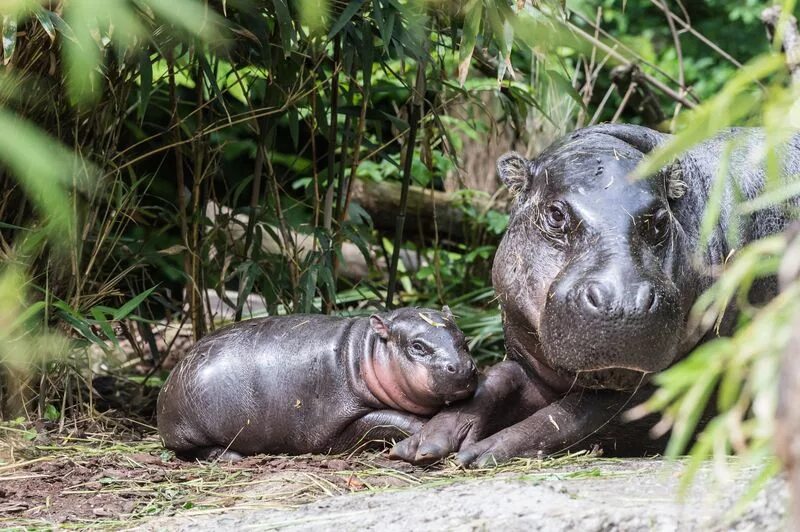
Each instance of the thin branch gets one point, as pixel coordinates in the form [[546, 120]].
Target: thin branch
[[783, 28]]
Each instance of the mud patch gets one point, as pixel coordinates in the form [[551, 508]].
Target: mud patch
[[100, 480]]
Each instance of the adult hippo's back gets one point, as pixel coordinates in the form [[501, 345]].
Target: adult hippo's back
[[596, 276]]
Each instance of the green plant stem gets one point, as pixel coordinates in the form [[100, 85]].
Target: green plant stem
[[414, 117]]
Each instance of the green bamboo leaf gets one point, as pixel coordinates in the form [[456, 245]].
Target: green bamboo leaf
[[352, 8], [692, 405], [47, 23], [27, 314], [145, 82], [566, 87], [772, 197], [9, 37], [726, 108], [294, 126], [285, 25], [102, 322], [40, 164], [209, 75], [131, 305], [83, 55], [78, 322], [469, 37], [61, 26], [191, 15], [714, 205]]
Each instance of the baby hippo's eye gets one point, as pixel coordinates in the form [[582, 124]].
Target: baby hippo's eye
[[419, 348]]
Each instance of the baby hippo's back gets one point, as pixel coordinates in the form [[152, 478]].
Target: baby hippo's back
[[278, 384]]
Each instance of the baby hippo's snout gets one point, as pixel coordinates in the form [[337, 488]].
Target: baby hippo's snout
[[456, 377], [430, 360]]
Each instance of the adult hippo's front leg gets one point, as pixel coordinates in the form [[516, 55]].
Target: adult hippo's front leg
[[510, 417], [577, 421]]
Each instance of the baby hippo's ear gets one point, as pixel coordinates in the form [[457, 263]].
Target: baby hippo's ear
[[512, 168], [380, 326], [447, 312]]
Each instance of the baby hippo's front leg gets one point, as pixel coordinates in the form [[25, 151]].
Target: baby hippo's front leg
[[376, 428]]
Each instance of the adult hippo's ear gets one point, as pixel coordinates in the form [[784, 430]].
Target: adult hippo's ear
[[380, 325], [512, 168], [646, 140], [447, 312]]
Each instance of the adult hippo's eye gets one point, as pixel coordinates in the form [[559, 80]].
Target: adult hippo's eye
[[555, 217], [659, 226]]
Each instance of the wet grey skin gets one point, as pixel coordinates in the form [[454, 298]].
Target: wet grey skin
[[313, 384], [596, 275]]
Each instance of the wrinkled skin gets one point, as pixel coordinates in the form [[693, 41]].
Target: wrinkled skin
[[596, 275], [313, 384]]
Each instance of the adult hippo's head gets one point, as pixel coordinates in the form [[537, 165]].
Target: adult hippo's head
[[592, 273]]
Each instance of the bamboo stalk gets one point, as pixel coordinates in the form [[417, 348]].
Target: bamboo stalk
[[414, 116]]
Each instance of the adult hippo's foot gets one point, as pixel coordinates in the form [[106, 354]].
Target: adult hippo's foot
[[509, 417], [505, 396], [578, 421]]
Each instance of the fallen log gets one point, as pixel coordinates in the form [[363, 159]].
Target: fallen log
[[431, 213]]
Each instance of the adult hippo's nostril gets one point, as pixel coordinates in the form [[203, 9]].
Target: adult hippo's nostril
[[646, 299], [595, 297]]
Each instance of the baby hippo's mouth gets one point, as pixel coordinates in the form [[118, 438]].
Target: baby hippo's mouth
[[458, 396], [465, 390]]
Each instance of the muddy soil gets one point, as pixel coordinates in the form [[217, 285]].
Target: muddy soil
[[95, 480]]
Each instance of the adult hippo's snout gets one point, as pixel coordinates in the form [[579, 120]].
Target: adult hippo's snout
[[612, 315]]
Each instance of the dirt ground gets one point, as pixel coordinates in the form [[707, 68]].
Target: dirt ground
[[127, 481]]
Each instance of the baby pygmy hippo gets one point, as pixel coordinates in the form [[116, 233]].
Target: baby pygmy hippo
[[313, 384]]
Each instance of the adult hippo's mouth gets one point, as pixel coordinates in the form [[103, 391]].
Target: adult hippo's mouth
[[620, 379]]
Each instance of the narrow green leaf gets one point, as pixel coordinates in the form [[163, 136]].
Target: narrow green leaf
[[27, 314], [61, 26], [772, 197], [78, 323], [209, 75], [131, 305], [145, 82], [40, 164], [565, 86], [47, 23], [352, 8], [469, 37], [285, 25], [294, 126], [9, 37], [105, 326], [190, 15]]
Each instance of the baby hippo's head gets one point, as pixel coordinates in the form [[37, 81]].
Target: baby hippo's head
[[426, 356]]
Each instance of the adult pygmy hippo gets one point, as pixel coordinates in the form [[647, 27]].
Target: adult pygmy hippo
[[313, 384], [596, 275]]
